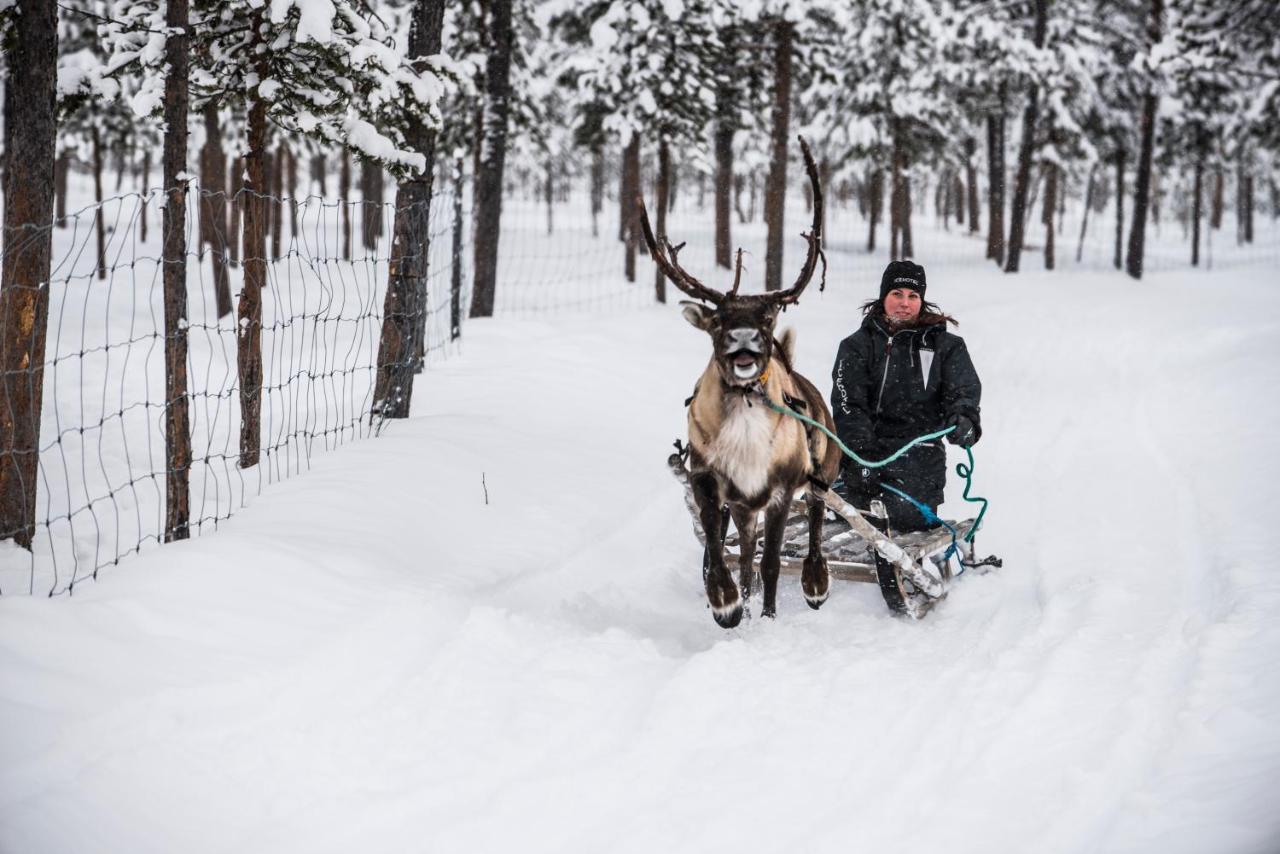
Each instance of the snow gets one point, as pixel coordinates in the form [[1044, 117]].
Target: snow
[[485, 629], [365, 138], [603, 36], [315, 18]]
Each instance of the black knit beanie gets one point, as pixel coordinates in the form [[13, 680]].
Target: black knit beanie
[[902, 274]]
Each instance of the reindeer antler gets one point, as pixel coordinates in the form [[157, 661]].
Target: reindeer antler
[[669, 263], [814, 237], [737, 274]]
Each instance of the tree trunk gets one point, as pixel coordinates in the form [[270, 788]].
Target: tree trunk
[[404, 311], [249, 330], [344, 201], [370, 204], [943, 200], [1142, 187], [775, 193], [1215, 212], [121, 152], [1247, 191], [1119, 256], [900, 243], [1156, 196], [971, 178], [908, 248], [1062, 199], [214, 208], [726, 127], [61, 169], [1088, 206], [875, 204], [8, 110], [1022, 180], [268, 180], [24, 303], [177, 424], [455, 279], [488, 201], [630, 213], [146, 189], [664, 189], [1050, 208], [625, 192], [597, 188], [320, 173], [996, 177], [549, 194], [99, 224], [291, 193], [1196, 204], [958, 198], [237, 209], [895, 201]]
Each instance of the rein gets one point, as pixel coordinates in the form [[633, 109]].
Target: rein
[[965, 471]]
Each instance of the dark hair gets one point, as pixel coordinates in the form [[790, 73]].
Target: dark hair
[[930, 313]]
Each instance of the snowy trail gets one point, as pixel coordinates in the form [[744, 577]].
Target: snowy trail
[[371, 658]]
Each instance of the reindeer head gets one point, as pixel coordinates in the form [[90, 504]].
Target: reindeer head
[[740, 326]]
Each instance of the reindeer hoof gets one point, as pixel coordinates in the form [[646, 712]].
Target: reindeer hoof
[[728, 618], [816, 584]]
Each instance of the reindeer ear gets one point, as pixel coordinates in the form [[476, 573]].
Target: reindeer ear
[[697, 314], [787, 341]]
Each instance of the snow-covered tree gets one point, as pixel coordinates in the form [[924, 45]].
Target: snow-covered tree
[[637, 70], [891, 106]]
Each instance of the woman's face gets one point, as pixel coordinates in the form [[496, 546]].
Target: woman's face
[[902, 305]]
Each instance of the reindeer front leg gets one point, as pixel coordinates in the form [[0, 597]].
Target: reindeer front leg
[[744, 520], [775, 526], [722, 592], [815, 580]]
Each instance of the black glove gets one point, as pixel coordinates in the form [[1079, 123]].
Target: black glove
[[965, 433]]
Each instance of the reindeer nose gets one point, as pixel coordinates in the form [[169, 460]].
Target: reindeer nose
[[745, 338]]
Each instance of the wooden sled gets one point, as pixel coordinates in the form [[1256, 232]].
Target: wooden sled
[[910, 568]]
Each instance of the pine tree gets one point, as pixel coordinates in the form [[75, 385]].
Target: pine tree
[[30, 38]]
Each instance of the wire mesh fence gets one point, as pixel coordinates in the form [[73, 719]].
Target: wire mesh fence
[[102, 462]]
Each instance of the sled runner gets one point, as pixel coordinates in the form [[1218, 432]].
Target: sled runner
[[911, 569]]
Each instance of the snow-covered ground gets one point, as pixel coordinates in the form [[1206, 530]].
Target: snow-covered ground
[[485, 630]]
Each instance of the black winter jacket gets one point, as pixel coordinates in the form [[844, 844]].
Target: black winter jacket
[[890, 388]]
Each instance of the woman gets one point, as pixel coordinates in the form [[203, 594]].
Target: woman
[[902, 375]]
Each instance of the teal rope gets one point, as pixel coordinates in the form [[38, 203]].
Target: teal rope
[[849, 452], [965, 471]]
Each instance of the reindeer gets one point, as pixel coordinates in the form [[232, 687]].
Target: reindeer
[[741, 452]]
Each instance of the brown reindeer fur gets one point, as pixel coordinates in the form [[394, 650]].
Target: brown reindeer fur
[[794, 445]]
